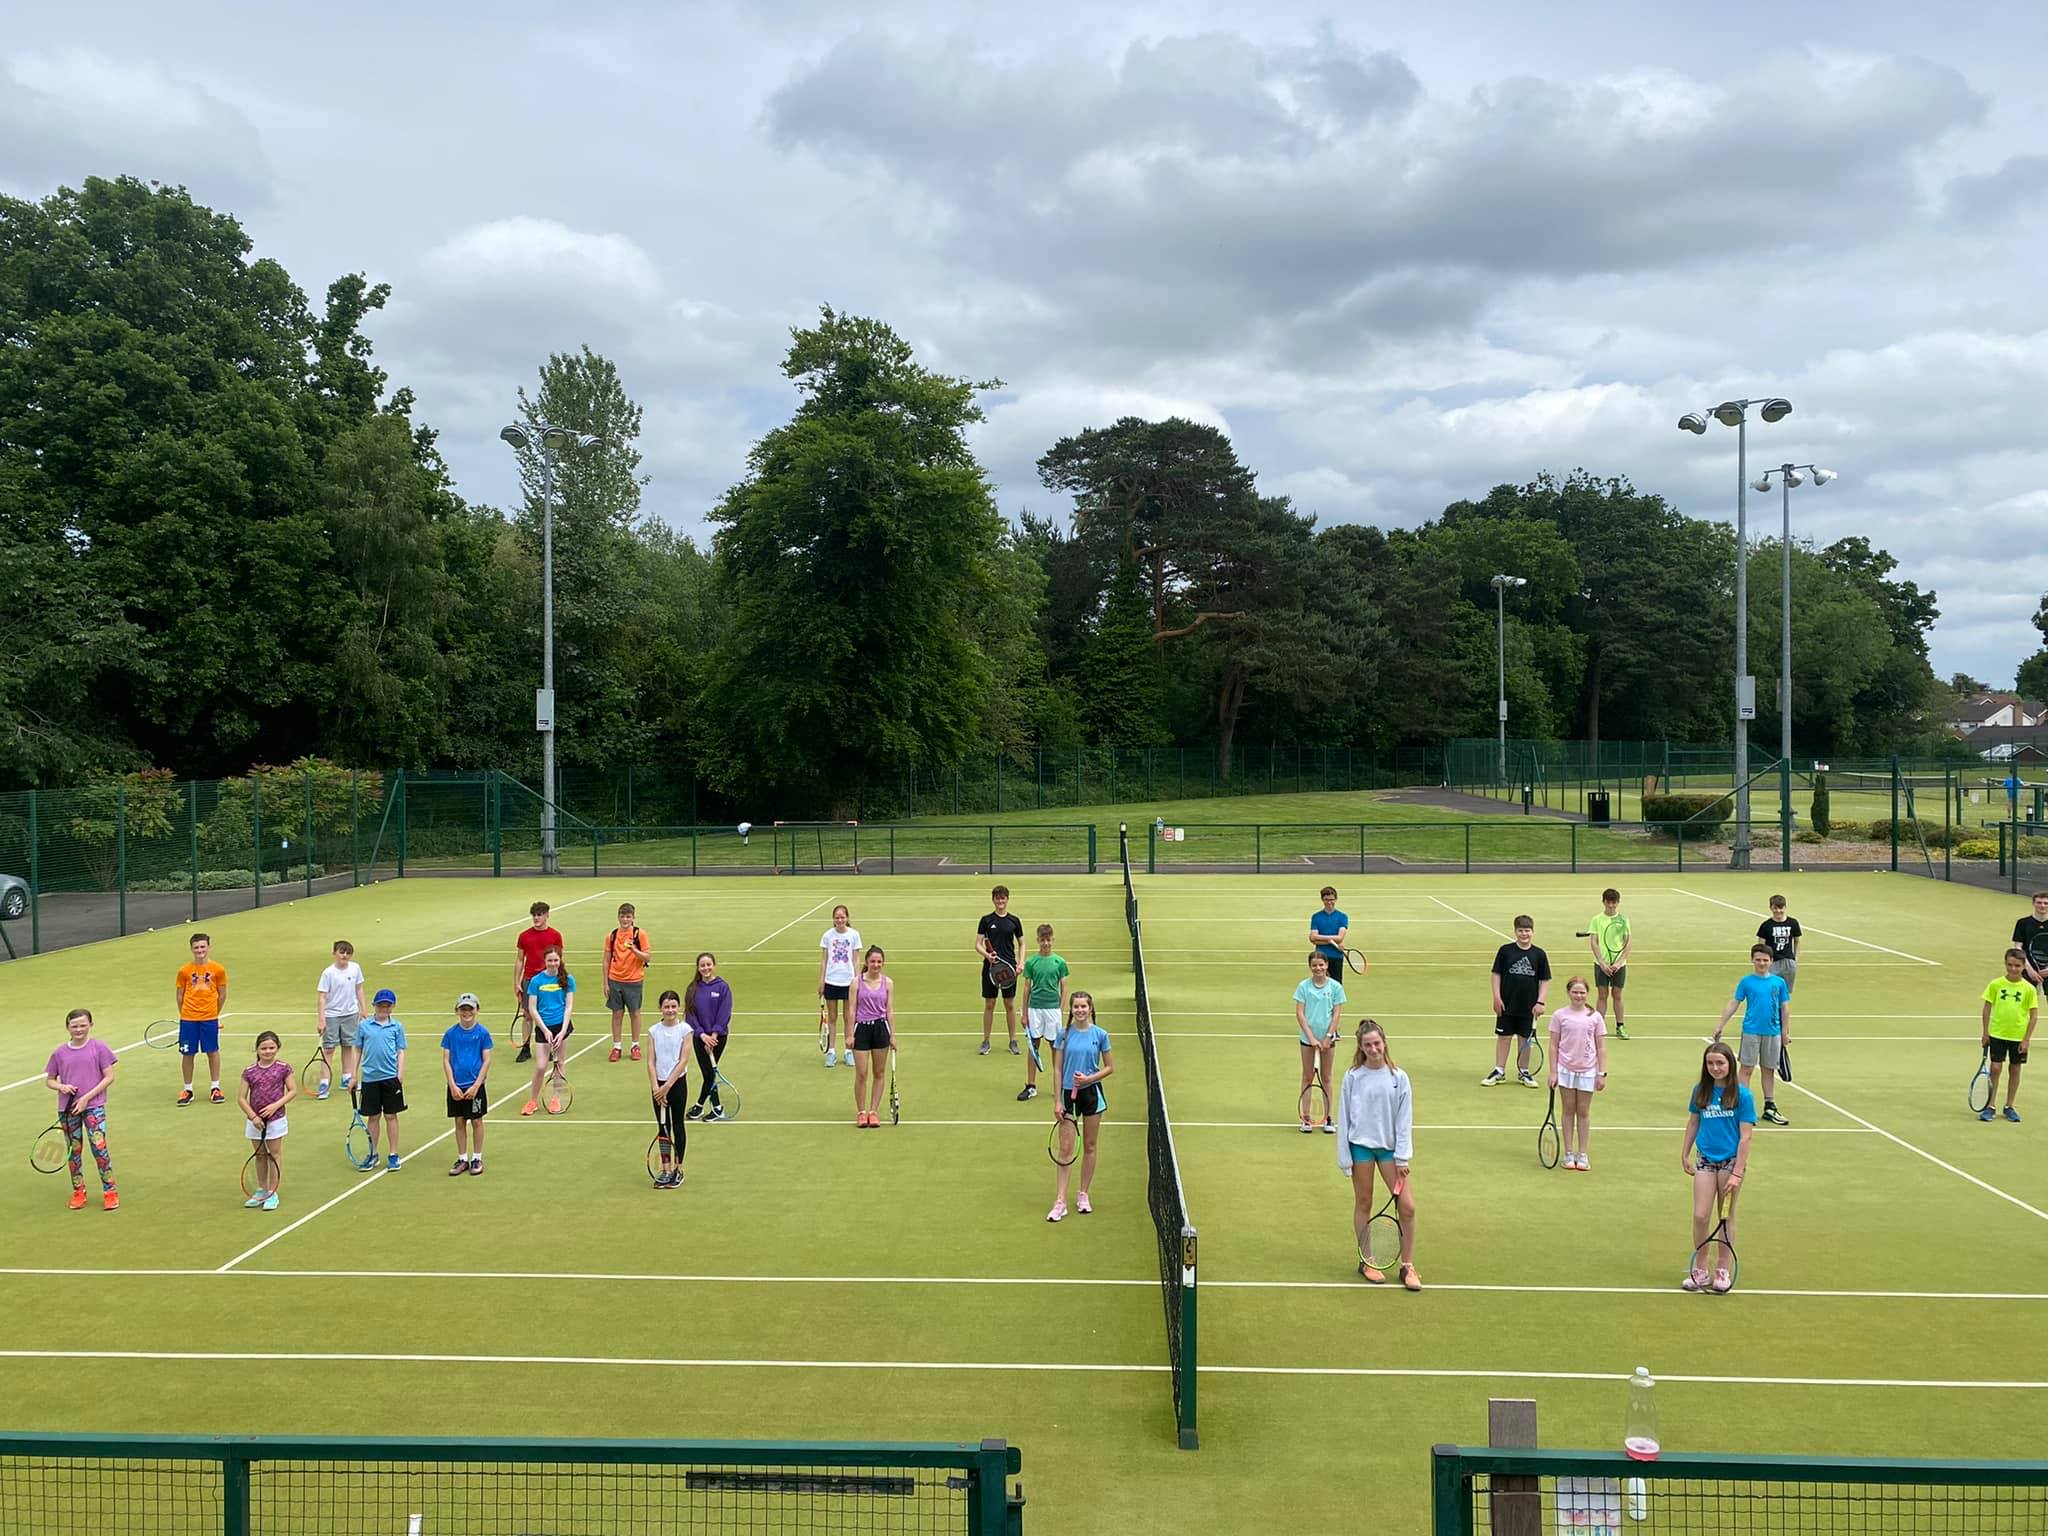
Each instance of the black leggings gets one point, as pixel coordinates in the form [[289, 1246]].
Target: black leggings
[[669, 1121], [707, 1065]]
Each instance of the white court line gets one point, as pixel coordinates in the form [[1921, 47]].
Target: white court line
[[1406, 1035], [785, 927], [1035, 1367], [1470, 919], [496, 928], [1751, 912], [42, 1078], [358, 1188], [1198, 1125]]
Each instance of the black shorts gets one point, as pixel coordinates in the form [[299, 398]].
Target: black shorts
[[470, 1109], [555, 1038], [1081, 1102], [380, 1096], [871, 1035], [1610, 981], [2014, 1051], [833, 992], [990, 989], [1511, 1024]]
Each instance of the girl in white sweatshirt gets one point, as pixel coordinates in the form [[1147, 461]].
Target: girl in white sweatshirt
[[1376, 1130]]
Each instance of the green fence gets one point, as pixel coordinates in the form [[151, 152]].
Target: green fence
[[194, 1485], [1596, 1493], [1432, 847]]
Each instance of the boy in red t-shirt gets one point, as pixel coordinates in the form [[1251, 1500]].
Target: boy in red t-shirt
[[533, 944]]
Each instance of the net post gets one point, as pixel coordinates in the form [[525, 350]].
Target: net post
[[986, 1512], [1895, 817], [234, 1490], [1450, 1493], [1516, 1501], [991, 847], [1091, 848], [1189, 1351]]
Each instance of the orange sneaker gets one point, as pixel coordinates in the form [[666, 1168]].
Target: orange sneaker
[[1410, 1278], [554, 1106], [110, 1201], [532, 1106], [634, 1054], [78, 1199], [614, 1055], [1372, 1275]]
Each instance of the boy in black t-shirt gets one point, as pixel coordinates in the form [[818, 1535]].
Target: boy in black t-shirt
[[1782, 934], [1521, 987], [998, 936], [2030, 937]]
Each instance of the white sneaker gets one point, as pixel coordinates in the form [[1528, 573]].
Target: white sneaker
[[1495, 1076], [1058, 1211], [831, 1058]]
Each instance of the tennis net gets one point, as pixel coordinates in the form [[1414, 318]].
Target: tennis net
[[177, 1485], [1163, 1188], [1528, 1493]]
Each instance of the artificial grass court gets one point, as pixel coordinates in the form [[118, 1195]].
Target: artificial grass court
[[811, 1281]]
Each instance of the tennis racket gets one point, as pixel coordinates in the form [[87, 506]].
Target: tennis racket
[[661, 1160], [1549, 1145], [1382, 1250], [728, 1096], [161, 1035], [895, 1104], [1315, 1106], [1980, 1085], [1536, 1056], [259, 1169], [1052, 1141], [309, 1080], [361, 1153], [53, 1147], [1716, 1253], [2037, 949], [824, 1030], [1000, 971], [561, 1096], [1784, 1061], [1355, 963]]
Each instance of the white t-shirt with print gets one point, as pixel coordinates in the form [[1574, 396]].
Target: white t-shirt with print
[[842, 956]]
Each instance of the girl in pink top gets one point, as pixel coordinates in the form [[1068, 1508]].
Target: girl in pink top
[[874, 1000], [1578, 1070]]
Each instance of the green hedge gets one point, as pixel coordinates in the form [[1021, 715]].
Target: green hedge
[[1934, 837], [1976, 848], [1704, 815], [226, 879]]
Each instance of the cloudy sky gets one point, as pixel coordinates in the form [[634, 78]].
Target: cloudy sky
[[1402, 256]]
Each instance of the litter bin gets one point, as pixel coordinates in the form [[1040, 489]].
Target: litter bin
[[1598, 808]]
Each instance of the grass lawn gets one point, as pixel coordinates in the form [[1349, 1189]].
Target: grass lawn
[[813, 1281]]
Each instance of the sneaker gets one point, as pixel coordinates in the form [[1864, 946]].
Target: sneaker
[[1371, 1275], [1696, 1281], [249, 1204], [1409, 1278], [1620, 1030], [1329, 1129], [525, 1054], [2012, 1114], [984, 1049], [345, 1079], [461, 1167], [269, 1201], [1307, 1129], [717, 1112], [476, 1165], [1028, 1091], [1723, 1282], [696, 1112], [1081, 1203], [554, 1106], [1987, 1113], [616, 1053], [78, 1199], [1585, 1163], [393, 1163], [218, 1097], [110, 1201], [1058, 1211], [1013, 1049], [831, 1057], [529, 1107], [634, 1054], [184, 1098], [1495, 1076], [1771, 1114], [324, 1090], [1528, 1079], [675, 1180]]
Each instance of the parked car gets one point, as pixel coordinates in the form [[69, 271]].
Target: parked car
[[13, 897]]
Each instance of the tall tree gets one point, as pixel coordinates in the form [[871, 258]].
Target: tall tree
[[856, 555], [1122, 687]]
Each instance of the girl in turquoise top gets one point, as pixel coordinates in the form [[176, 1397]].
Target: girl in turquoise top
[[1318, 1015], [1079, 1065]]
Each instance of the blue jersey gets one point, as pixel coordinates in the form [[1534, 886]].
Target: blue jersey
[[1083, 1050], [1331, 923], [1720, 1136], [550, 996], [465, 1048], [1764, 998], [381, 1041]]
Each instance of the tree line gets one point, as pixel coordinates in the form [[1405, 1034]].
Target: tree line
[[231, 542]]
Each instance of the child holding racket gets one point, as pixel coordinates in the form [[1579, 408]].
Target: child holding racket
[[707, 1004], [79, 1072], [998, 937], [1720, 1119], [1080, 1064], [340, 1009], [1329, 931], [1318, 1015], [465, 1064], [1578, 1069], [1766, 1021], [1376, 1131], [668, 1084], [838, 960], [2030, 937], [1610, 940], [267, 1087], [1045, 999], [2011, 1009], [530, 950], [874, 1004], [1521, 989], [381, 1095], [551, 1010]]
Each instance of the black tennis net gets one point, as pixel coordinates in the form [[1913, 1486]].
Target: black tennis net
[[1164, 1191]]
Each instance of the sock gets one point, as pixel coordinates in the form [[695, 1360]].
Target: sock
[[216, 1085]]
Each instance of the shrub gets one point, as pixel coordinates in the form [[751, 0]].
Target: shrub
[[1808, 837], [1703, 815], [225, 879], [1934, 837], [1821, 822], [1976, 848], [1847, 829]]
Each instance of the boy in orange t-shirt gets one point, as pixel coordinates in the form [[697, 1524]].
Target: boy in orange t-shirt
[[202, 994], [626, 950]]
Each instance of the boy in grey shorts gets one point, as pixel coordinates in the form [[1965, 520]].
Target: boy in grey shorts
[[341, 1009]]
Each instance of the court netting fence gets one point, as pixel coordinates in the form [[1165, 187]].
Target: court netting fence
[[1164, 1191], [195, 1485], [1596, 1493]]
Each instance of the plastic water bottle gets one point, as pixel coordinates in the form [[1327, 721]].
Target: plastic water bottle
[[1640, 1439]]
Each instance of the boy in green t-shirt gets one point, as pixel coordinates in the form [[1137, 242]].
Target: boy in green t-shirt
[[2011, 1007], [1045, 973], [1610, 943]]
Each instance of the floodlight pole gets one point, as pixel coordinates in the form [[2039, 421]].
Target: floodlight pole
[[1788, 476], [550, 855], [1738, 855], [1500, 613]]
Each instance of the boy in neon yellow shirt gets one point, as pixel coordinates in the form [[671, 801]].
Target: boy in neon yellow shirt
[[2011, 1007], [1610, 943]]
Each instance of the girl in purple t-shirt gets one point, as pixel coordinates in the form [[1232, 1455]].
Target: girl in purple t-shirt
[[267, 1087], [79, 1072]]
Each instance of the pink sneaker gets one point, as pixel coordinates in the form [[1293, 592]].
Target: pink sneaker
[[1058, 1211], [1081, 1203]]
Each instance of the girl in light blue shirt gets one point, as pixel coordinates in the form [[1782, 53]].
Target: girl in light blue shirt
[[1318, 1016]]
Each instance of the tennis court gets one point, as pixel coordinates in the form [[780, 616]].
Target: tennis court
[[814, 1281]]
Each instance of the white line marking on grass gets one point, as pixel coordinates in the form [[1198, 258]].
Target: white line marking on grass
[[1470, 918], [1845, 938], [1521, 1375], [355, 1189], [1199, 1125], [42, 1078], [784, 928], [1406, 1035], [495, 928], [1639, 1290]]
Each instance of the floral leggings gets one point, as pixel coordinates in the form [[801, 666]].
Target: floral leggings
[[89, 1128]]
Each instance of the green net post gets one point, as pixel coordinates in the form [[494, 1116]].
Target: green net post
[[355, 825], [1091, 847], [121, 853], [1190, 1440], [35, 876], [1572, 827], [1152, 848], [1895, 815], [693, 848], [404, 800], [1258, 850], [1450, 1494], [1468, 847], [234, 1490], [892, 850]]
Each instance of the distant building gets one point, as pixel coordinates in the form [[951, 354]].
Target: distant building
[[1988, 710]]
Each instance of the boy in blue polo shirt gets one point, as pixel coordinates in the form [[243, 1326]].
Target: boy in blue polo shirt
[[465, 1062], [1328, 931], [1767, 1018], [380, 1093]]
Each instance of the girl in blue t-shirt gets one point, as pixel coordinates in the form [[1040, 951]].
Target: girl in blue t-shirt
[[1720, 1119], [1079, 1064], [1318, 1017]]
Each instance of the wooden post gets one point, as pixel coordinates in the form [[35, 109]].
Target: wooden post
[[1517, 1501]]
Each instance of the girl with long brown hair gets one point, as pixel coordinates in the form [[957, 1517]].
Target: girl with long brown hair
[[1376, 1131]]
